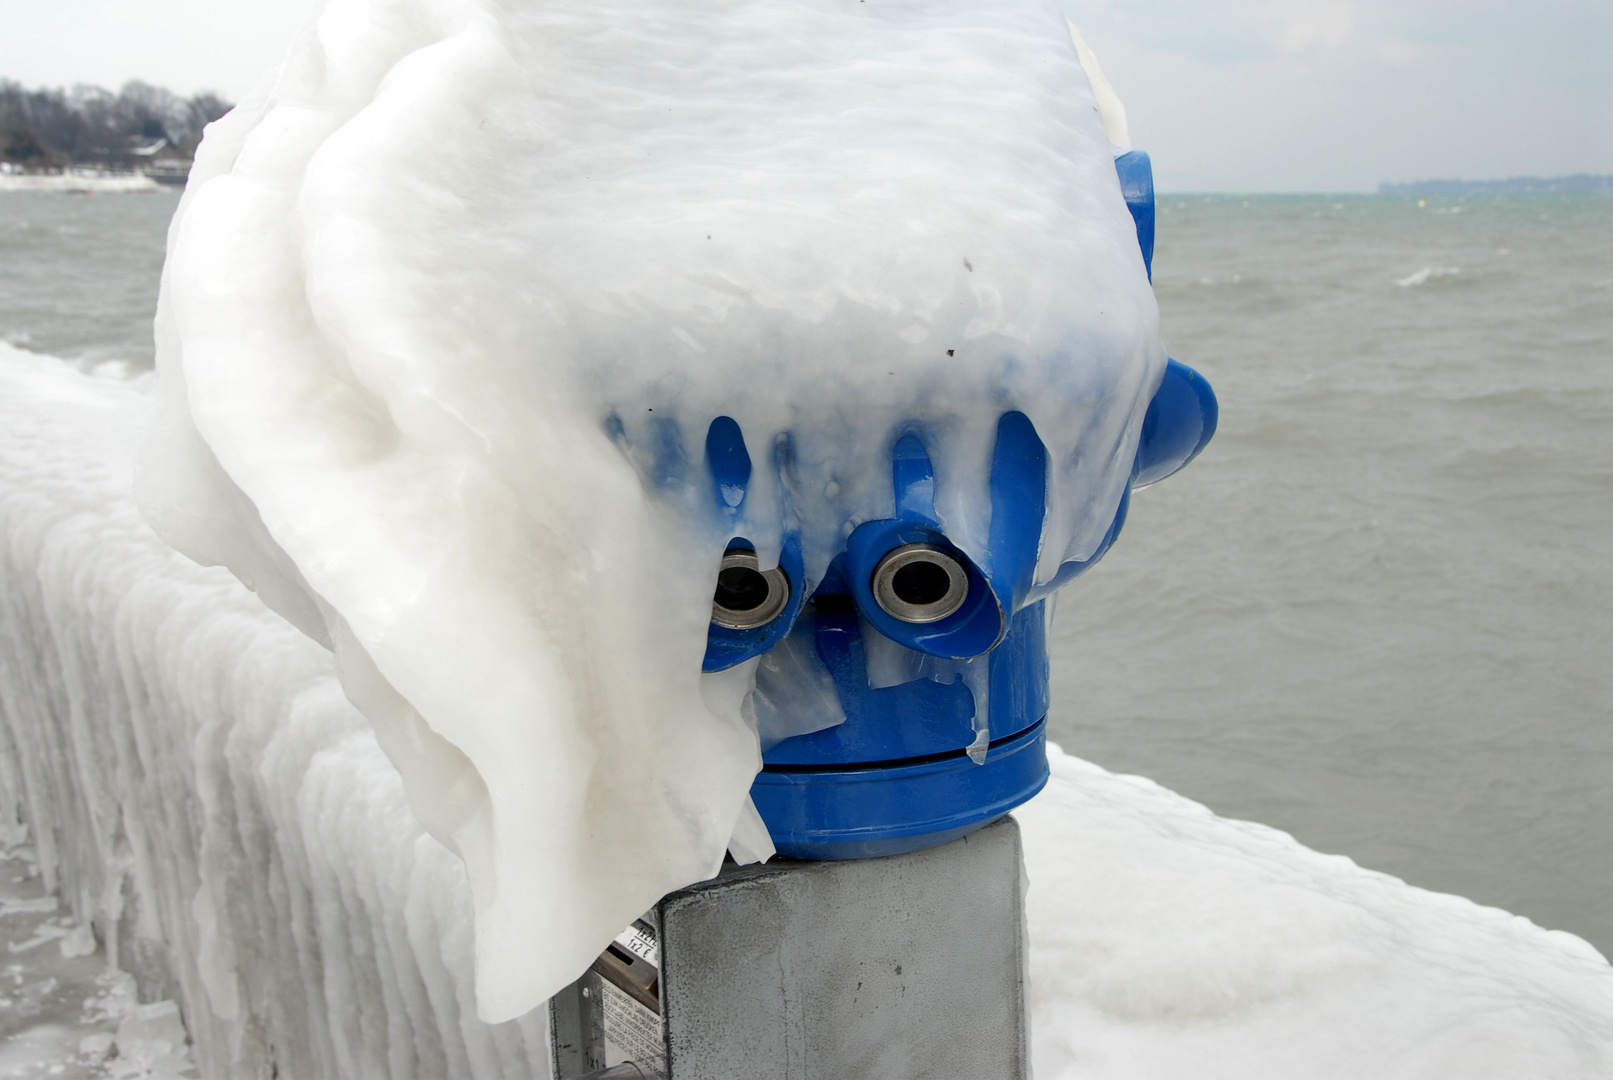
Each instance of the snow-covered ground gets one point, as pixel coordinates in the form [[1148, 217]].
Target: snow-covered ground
[[65, 1013], [199, 791]]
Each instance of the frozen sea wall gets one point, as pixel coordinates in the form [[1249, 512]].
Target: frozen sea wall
[[200, 791]]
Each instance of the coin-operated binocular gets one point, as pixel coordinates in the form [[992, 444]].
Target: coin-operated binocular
[[938, 661]]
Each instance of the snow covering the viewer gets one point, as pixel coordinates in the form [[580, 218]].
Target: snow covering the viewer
[[199, 790], [450, 304]]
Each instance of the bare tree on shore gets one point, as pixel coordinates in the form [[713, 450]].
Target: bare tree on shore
[[47, 130]]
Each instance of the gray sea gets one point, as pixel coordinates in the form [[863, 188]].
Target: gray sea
[[1376, 613]]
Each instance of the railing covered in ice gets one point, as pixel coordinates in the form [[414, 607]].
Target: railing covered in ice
[[199, 789]]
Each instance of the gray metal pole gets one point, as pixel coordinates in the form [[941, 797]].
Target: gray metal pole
[[901, 968]]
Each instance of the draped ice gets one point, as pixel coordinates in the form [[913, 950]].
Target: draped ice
[[452, 300]]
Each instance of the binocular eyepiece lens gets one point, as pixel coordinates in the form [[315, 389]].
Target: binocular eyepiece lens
[[739, 588], [920, 583], [746, 596]]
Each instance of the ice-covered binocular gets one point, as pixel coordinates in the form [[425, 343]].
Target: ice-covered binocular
[[940, 666]]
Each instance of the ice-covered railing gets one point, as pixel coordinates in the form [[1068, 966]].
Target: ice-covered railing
[[201, 793], [200, 790]]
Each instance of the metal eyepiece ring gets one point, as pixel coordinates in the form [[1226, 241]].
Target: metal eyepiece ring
[[747, 596], [920, 583]]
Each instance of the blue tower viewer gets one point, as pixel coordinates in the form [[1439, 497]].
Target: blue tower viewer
[[962, 741]]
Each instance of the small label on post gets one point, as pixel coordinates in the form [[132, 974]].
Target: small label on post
[[630, 998], [632, 1032]]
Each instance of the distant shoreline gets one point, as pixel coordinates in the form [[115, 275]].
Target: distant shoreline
[[1577, 184], [90, 181], [82, 183]]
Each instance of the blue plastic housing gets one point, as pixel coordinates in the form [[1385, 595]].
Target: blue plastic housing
[[1179, 423], [1136, 174], [897, 775], [892, 807]]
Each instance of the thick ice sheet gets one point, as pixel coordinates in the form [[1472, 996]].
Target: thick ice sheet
[[1167, 943], [451, 303], [199, 789], [201, 792]]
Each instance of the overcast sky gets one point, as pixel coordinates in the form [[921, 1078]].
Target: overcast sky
[[1239, 95]]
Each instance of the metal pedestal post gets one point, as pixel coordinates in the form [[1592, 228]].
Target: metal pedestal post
[[898, 968]]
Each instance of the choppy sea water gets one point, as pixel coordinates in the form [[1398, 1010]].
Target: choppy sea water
[[78, 273], [1375, 613], [1378, 611]]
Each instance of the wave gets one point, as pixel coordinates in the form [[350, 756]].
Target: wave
[[1427, 274]]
